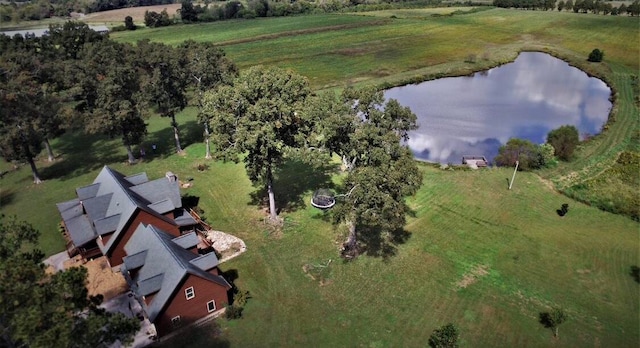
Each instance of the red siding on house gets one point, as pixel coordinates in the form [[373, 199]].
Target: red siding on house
[[149, 298], [194, 309], [117, 252]]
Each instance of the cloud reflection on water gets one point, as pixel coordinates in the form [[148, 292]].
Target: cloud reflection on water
[[525, 99]]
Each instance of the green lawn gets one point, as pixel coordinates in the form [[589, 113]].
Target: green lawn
[[464, 221], [478, 255]]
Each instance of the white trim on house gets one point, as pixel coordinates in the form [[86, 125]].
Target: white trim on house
[[211, 306], [189, 293]]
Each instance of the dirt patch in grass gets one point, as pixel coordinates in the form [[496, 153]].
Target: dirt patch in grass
[[101, 279], [472, 276], [137, 13]]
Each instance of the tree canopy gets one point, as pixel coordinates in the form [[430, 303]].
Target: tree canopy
[[444, 337], [206, 68], [24, 108], [564, 141], [42, 310], [165, 81], [111, 95], [525, 152], [382, 174], [258, 116]]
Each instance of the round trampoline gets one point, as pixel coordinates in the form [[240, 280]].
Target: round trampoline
[[323, 199]]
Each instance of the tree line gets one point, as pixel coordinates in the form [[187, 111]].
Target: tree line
[[41, 9], [190, 13], [74, 78], [577, 6]]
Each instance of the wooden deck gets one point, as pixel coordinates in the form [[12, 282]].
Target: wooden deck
[[475, 162]]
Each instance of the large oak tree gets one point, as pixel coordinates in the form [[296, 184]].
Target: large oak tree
[[111, 93], [166, 80], [257, 120], [381, 169], [207, 67]]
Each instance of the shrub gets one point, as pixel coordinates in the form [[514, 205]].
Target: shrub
[[596, 56], [128, 23], [232, 312], [564, 140], [444, 337], [525, 152]]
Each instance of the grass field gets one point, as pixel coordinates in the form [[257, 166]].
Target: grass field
[[335, 50], [479, 255]]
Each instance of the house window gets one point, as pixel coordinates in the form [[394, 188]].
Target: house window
[[211, 306], [176, 321], [189, 293]]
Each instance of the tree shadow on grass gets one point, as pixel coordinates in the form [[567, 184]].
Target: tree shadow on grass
[[372, 241], [190, 133], [635, 273], [81, 153], [6, 197], [206, 335], [292, 181]]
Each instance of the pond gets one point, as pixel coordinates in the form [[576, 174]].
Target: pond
[[475, 115]]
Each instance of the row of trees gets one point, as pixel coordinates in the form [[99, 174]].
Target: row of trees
[[577, 6], [190, 13], [561, 143], [42, 9], [74, 77]]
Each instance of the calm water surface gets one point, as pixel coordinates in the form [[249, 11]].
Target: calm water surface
[[526, 99]]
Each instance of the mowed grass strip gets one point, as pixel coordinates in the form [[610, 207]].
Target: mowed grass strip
[[533, 258], [356, 49], [227, 32]]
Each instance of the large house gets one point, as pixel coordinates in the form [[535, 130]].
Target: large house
[[175, 285], [103, 217], [143, 230]]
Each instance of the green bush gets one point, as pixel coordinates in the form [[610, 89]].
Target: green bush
[[564, 140], [596, 56], [232, 312]]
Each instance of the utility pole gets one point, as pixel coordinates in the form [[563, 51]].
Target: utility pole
[[514, 175]]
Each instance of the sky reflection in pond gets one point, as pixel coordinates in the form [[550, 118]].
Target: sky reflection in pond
[[475, 115]]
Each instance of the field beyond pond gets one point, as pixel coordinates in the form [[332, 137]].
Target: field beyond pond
[[479, 255]]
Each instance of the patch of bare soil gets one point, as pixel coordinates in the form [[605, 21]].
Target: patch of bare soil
[[101, 279], [226, 245], [137, 13], [472, 276]]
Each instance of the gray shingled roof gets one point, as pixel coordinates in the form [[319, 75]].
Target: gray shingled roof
[[96, 207], [162, 207], [183, 218], [187, 240], [137, 179], [134, 261], [206, 261], [78, 226], [168, 261], [89, 191], [112, 199], [107, 225], [160, 190]]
